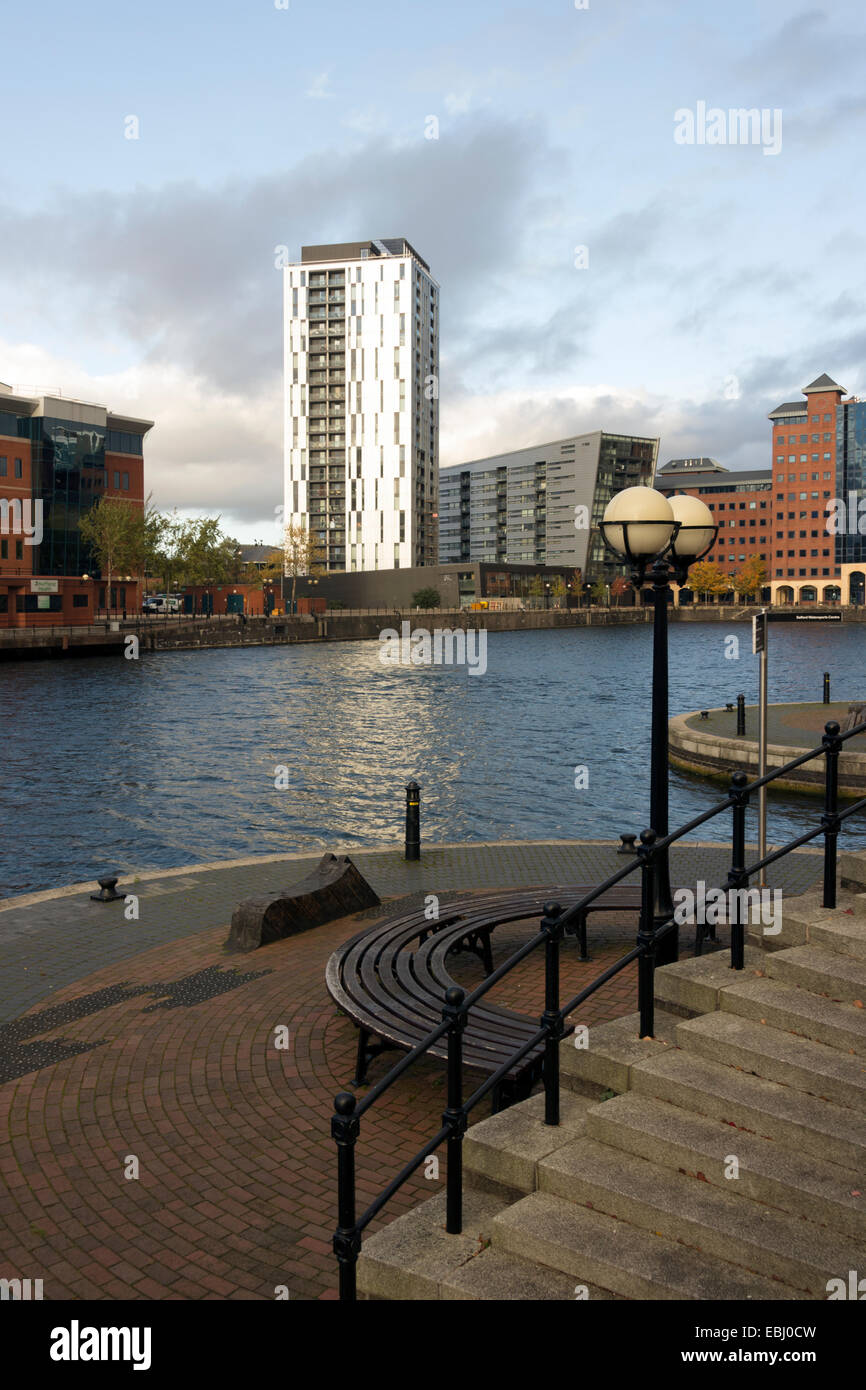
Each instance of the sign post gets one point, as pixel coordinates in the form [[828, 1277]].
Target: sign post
[[759, 648]]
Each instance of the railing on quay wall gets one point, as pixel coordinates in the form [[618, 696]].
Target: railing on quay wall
[[345, 1123]]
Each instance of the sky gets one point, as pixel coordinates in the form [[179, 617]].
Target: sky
[[601, 265]]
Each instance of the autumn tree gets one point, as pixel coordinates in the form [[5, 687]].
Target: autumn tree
[[619, 587], [705, 577], [749, 580], [302, 552]]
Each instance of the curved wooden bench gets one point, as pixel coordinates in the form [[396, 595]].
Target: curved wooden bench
[[391, 979]]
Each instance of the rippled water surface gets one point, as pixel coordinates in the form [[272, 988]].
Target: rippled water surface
[[171, 760]]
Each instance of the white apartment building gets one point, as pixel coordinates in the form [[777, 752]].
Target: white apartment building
[[361, 422]]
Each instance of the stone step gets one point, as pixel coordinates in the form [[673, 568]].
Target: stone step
[[494, 1276], [798, 914], [501, 1154], [717, 1222], [691, 986], [595, 1248], [413, 1256], [823, 972], [798, 1011], [798, 1183], [611, 1050], [755, 1105], [841, 933], [852, 870], [799, 1063]]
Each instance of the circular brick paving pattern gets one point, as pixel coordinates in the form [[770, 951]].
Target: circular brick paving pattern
[[235, 1193]]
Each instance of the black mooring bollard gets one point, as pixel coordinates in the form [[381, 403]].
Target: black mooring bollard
[[107, 890], [741, 715], [826, 687], [413, 821]]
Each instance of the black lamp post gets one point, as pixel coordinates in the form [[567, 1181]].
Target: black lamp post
[[664, 537]]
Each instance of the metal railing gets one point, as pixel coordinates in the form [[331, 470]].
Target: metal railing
[[348, 1112]]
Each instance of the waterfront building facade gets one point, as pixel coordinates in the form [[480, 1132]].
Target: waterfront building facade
[[57, 457], [541, 505], [361, 409], [498, 586], [806, 567]]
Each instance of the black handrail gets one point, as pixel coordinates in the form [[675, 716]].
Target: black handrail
[[345, 1123]]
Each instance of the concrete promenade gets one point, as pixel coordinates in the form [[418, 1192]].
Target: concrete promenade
[[139, 1047]]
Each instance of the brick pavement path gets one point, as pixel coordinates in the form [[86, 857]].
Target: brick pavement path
[[166, 1055]]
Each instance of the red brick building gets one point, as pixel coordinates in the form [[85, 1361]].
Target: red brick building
[[740, 501], [57, 456], [804, 568]]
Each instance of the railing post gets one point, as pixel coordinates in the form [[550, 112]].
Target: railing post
[[345, 1127], [413, 821], [741, 716], [550, 1019], [455, 1116], [826, 687], [646, 936], [830, 819], [736, 873]]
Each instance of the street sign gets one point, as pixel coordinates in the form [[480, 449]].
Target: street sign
[[759, 633], [777, 617]]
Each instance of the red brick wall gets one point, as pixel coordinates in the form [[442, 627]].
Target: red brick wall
[[806, 444], [12, 489]]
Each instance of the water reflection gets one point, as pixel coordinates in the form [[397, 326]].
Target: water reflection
[[172, 759]]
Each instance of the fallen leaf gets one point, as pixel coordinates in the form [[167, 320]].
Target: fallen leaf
[[858, 1003], [856, 1192]]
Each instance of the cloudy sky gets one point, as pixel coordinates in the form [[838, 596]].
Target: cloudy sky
[[715, 281]]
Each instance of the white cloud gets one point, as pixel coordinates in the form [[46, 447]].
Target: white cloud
[[318, 88], [211, 451]]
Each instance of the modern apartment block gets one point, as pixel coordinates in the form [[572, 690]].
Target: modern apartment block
[[361, 358], [522, 507], [805, 566], [741, 502], [57, 456]]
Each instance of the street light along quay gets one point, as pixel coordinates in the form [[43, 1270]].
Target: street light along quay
[[664, 536]]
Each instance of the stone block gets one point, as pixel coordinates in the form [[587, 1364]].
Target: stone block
[[335, 888]]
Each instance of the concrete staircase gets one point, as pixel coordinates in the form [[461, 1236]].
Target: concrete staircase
[[725, 1158]]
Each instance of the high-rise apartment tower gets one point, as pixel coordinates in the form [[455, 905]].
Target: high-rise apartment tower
[[361, 403]]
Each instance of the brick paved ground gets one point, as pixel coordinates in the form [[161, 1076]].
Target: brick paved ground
[[152, 1057]]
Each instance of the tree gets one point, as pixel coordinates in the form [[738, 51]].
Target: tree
[[557, 587], [301, 551], [426, 598], [619, 587], [206, 555], [599, 591], [111, 531], [751, 578], [705, 577], [536, 586]]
